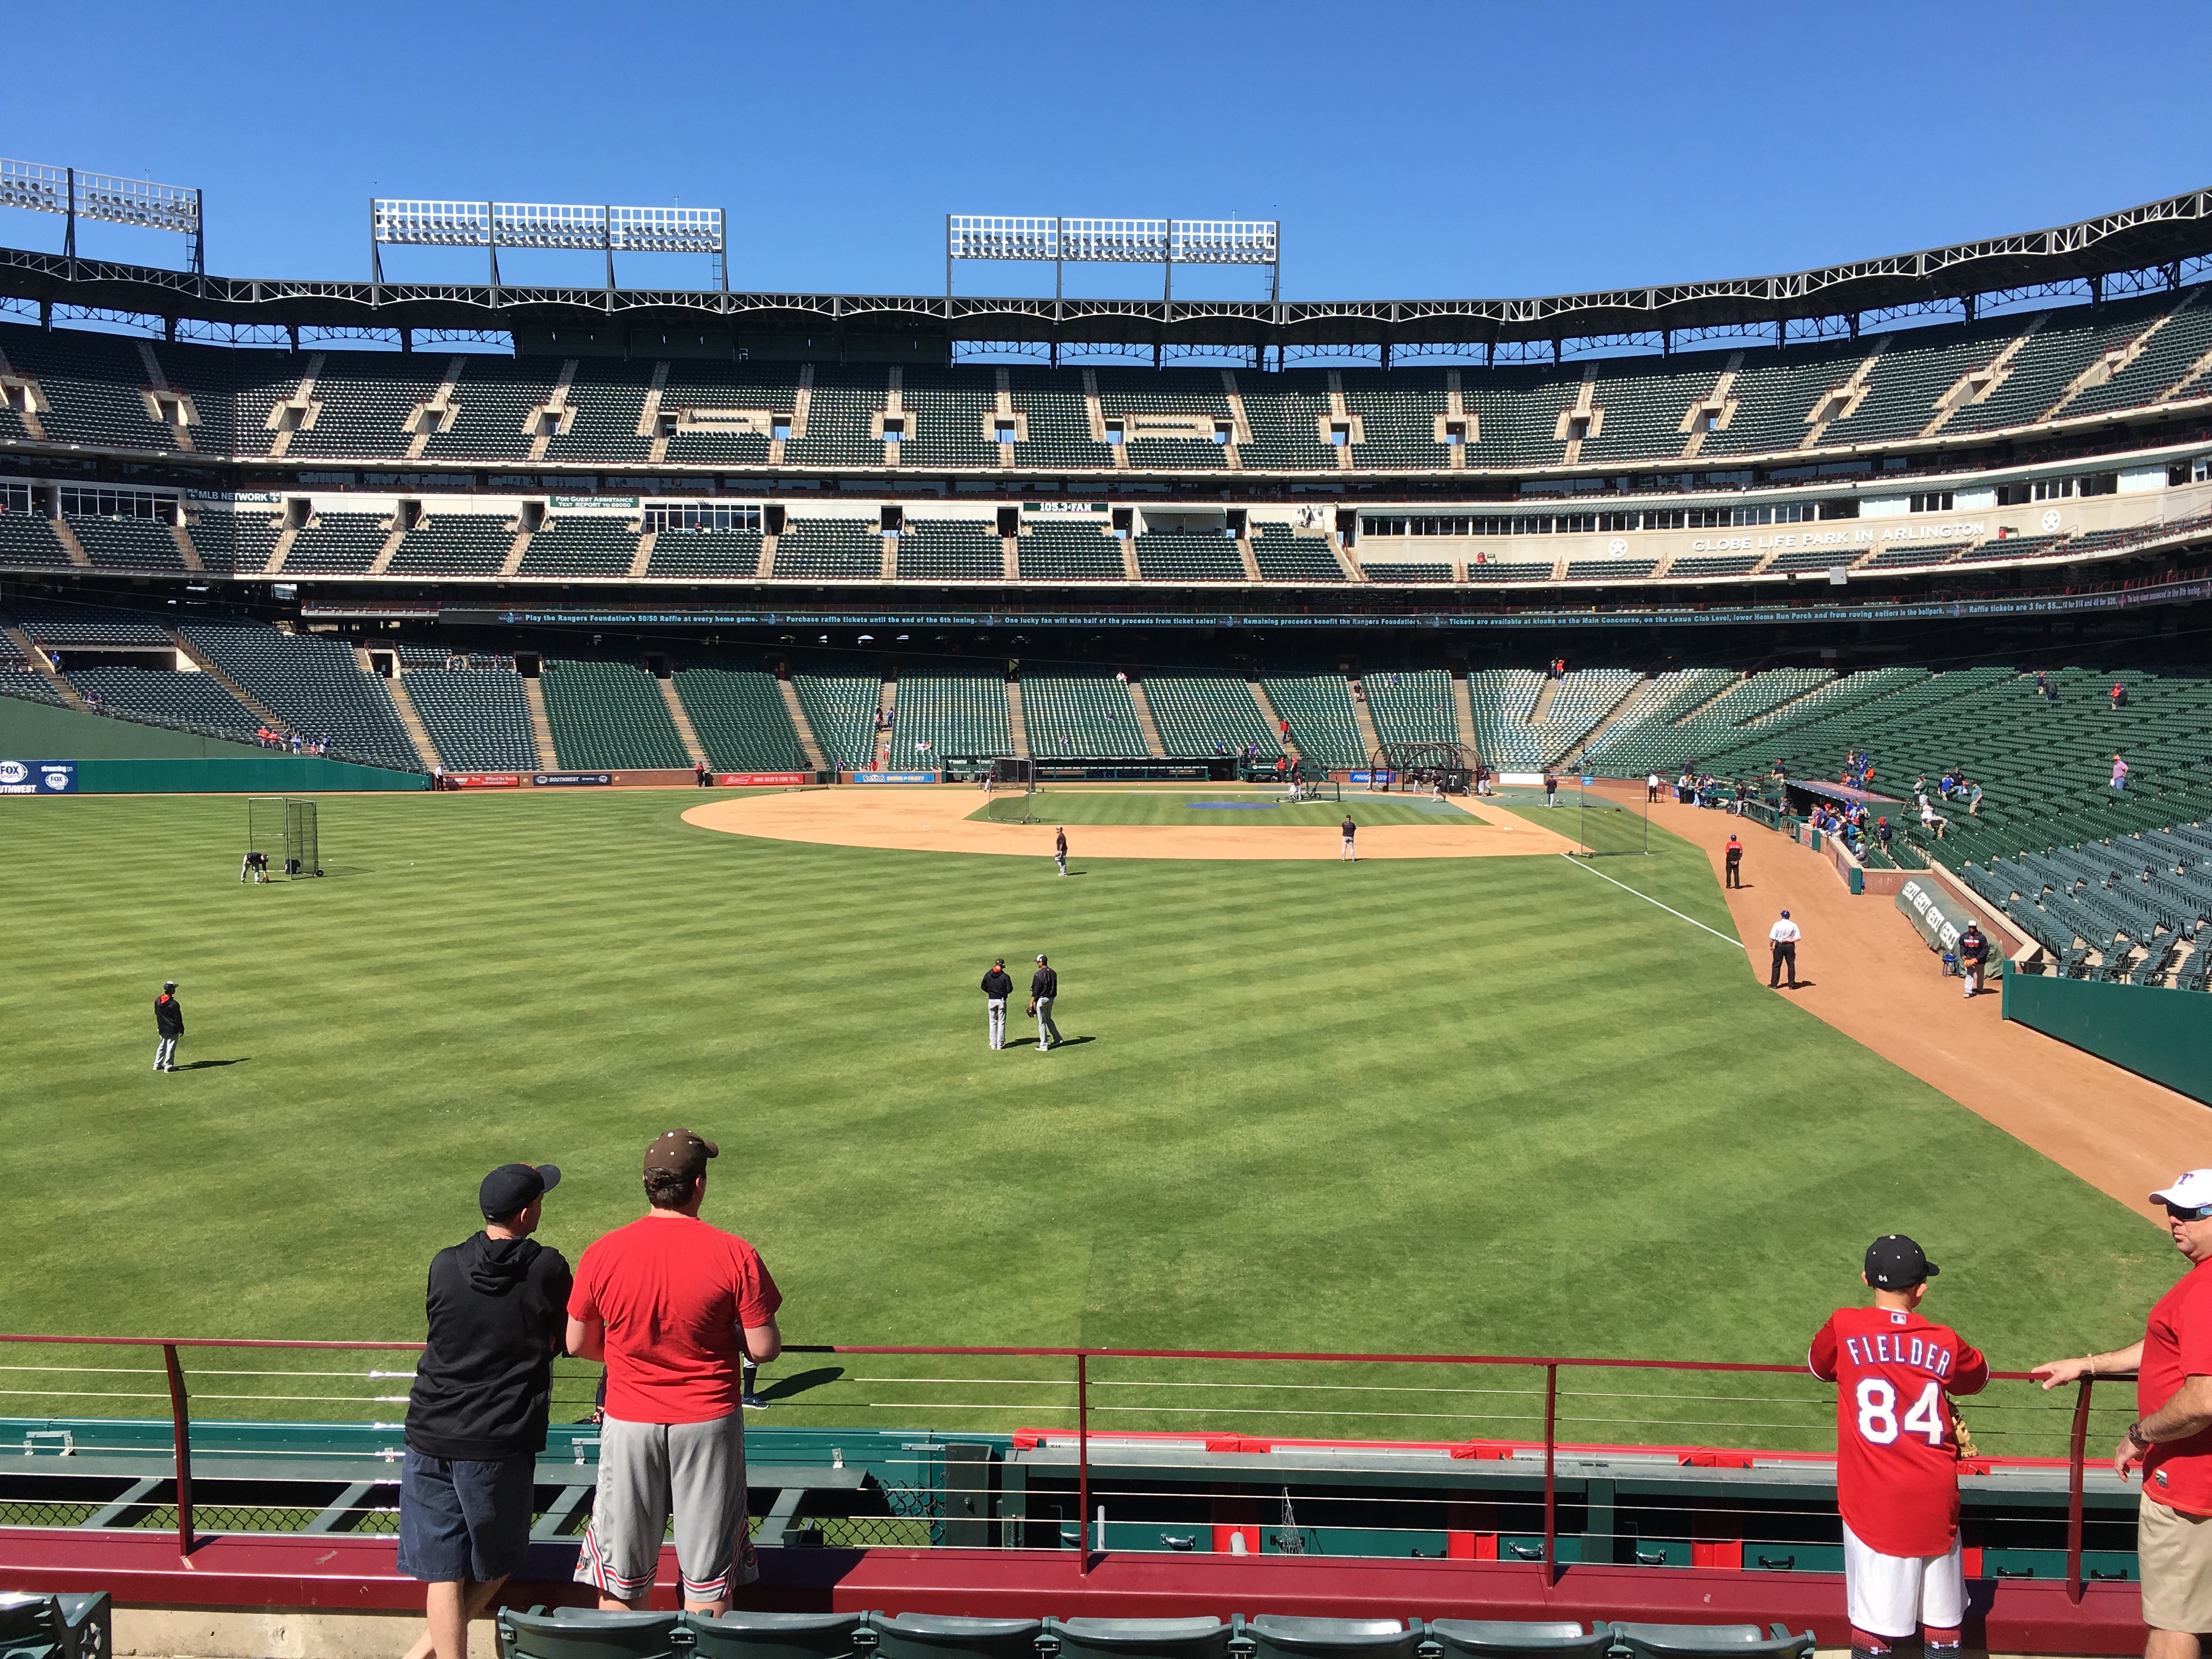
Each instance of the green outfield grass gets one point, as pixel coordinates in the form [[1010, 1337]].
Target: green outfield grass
[[1228, 807], [1488, 1105]]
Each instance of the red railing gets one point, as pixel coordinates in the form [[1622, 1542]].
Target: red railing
[[180, 1413]]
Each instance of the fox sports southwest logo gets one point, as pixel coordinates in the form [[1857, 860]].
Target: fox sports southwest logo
[[12, 772]]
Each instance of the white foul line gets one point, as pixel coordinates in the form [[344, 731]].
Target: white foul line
[[1647, 899]]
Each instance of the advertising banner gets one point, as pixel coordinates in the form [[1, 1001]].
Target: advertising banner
[[1939, 917], [38, 777], [894, 777], [569, 780], [483, 781], [757, 780]]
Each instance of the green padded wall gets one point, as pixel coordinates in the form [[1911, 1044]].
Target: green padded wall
[[2165, 1035]]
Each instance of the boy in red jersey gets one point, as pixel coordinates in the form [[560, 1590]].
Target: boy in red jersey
[[1896, 1453]]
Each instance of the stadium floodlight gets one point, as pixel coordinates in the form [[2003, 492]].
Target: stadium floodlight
[[495, 225], [1169, 242], [106, 198]]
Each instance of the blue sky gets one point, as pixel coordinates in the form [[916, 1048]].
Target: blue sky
[[1409, 150]]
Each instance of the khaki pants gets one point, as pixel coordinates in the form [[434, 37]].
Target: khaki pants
[[2176, 1552]]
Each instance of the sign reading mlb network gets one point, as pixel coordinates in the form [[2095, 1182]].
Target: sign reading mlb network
[[38, 777]]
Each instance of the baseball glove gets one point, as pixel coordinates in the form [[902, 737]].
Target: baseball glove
[[1965, 1435], [1032, 1008]]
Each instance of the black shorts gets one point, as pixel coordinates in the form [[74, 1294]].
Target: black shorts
[[460, 1519]]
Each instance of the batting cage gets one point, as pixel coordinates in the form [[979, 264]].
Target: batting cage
[[1424, 766], [1013, 786], [283, 833]]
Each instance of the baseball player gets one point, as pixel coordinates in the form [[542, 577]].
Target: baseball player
[[168, 1026], [1734, 862], [1974, 957], [1060, 848], [998, 986], [1347, 856], [255, 868], [1783, 936], [1044, 991], [1897, 1454]]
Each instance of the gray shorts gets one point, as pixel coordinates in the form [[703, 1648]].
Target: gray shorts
[[648, 1469]]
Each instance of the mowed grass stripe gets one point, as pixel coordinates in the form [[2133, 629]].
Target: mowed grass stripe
[[1475, 1105]]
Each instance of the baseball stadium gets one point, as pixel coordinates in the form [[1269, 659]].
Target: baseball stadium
[[517, 719]]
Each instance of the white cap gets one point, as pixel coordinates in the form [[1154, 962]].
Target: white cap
[[2190, 1190]]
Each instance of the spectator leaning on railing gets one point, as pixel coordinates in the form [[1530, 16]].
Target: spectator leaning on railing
[[2172, 1436], [477, 1415]]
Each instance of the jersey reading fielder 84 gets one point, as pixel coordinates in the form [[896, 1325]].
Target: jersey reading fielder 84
[[1897, 1455]]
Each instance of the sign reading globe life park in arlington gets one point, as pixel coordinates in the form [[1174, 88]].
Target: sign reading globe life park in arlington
[[38, 777], [1853, 540]]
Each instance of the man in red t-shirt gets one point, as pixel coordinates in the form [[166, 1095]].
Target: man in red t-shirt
[[673, 1307], [1896, 1453], [2172, 1436]]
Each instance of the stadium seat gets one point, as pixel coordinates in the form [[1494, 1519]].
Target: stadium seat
[[1278, 1635], [1710, 1641], [743, 1634], [1494, 1639], [586, 1633], [1140, 1639], [932, 1635]]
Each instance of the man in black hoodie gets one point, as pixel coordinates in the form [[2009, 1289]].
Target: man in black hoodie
[[475, 1421]]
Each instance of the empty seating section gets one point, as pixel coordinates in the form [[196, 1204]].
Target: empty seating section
[[28, 538], [452, 545], [1919, 553], [608, 714], [1201, 716], [1643, 411], [840, 710], [1719, 564], [1660, 701], [2166, 356], [1414, 708], [311, 683], [581, 544], [1070, 552], [1288, 413], [722, 553], [2015, 547], [696, 386], [831, 547], [72, 624], [1398, 414], [948, 418], [1799, 560], [91, 383], [1284, 555], [838, 411], [955, 715], [1712, 709], [1322, 725], [193, 702], [1609, 570], [740, 718], [479, 718], [2041, 371], [1052, 405], [1489, 570], [609, 398], [367, 403], [1081, 715], [1398, 570], [1915, 371], [1189, 556], [241, 542], [1774, 392], [127, 544], [960, 549], [1506, 734], [337, 544], [492, 404], [30, 687]]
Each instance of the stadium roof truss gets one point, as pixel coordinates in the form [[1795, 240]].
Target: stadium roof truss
[[2155, 245]]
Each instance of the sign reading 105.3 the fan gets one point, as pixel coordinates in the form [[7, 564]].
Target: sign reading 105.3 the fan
[[38, 777]]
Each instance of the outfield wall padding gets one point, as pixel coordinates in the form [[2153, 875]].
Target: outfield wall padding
[[256, 774], [2165, 1035]]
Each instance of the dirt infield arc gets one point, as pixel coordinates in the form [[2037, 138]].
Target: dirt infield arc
[[933, 819]]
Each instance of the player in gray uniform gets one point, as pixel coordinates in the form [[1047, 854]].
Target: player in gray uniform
[[1044, 991], [998, 986]]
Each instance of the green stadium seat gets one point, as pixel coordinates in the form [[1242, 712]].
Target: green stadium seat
[[586, 1633], [1140, 1639], [744, 1634], [1498, 1638], [1710, 1641], [931, 1636], [1280, 1636]]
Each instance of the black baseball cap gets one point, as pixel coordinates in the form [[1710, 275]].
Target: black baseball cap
[[1894, 1262], [515, 1186]]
